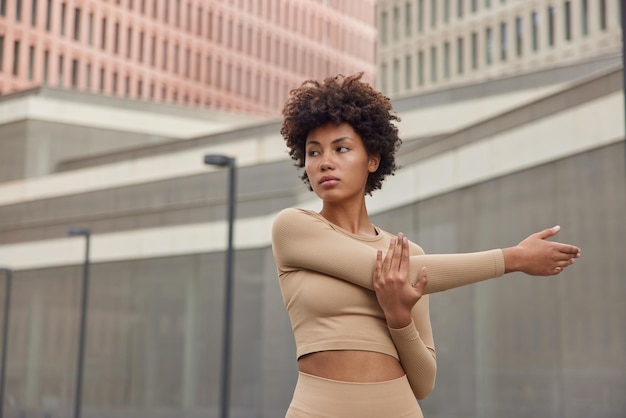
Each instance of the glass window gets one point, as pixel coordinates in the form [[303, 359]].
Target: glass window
[[433, 13], [396, 75], [408, 23], [3, 7], [76, 24], [584, 15], [396, 23], [550, 26], [488, 46], [18, 10], [383, 28], [420, 16], [31, 62], [567, 20], [474, 50], [535, 30], [408, 72], [602, 14], [46, 62], [503, 41], [460, 56], [433, 64], [1, 52], [60, 74], [33, 13], [48, 15], [446, 59], [16, 58], [63, 12], [420, 68], [519, 35], [74, 73]]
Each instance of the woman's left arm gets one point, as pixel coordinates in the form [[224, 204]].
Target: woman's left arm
[[416, 349]]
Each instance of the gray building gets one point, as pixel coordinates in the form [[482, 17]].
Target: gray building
[[483, 166]]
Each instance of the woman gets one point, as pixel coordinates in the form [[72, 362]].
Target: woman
[[357, 296]]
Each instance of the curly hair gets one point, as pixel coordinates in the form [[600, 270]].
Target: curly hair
[[343, 99]]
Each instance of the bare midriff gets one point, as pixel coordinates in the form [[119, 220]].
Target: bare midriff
[[351, 366]]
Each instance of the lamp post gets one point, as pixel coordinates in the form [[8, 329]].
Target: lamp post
[[5, 334], [84, 232], [225, 161]]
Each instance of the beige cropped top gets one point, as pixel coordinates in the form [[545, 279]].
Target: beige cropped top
[[326, 278]]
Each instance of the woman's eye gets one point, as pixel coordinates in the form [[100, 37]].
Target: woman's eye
[[312, 153], [343, 149]]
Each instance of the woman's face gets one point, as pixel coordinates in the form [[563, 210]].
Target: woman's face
[[337, 162]]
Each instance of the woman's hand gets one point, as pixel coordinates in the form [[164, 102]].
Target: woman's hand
[[396, 296], [539, 257]]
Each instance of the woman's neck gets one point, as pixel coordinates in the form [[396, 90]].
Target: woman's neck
[[353, 218]]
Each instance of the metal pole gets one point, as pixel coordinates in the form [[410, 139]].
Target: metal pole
[[224, 161], [83, 321], [5, 335]]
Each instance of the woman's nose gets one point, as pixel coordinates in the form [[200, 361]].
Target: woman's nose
[[326, 163]]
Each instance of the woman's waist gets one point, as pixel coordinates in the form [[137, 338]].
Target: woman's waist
[[351, 366]]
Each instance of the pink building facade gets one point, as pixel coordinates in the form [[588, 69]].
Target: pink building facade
[[241, 55]]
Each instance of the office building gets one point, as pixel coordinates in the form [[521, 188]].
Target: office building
[[425, 45], [241, 55]]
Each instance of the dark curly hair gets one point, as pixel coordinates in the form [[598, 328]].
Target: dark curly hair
[[343, 99]]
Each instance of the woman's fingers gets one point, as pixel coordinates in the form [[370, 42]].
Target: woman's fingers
[[422, 281]]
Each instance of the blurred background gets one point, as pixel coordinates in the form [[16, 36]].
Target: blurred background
[[512, 116]]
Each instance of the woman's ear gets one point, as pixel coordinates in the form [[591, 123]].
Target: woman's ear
[[373, 162]]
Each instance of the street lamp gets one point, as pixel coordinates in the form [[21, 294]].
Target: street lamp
[[225, 161], [5, 334], [84, 232]]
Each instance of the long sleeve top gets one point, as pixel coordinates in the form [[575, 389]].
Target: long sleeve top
[[326, 278]]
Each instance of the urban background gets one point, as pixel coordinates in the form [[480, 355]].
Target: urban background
[[114, 228]]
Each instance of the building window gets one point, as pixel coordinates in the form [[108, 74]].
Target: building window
[[408, 72], [383, 77], [164, 57], [550, 26], [103, 32], [60, 75], [114, 83], [585, 17], [519, 35], [3, 7], [153, 47], [63, 11], [446, 59], [408, 23], [46, 63], [420, 68], [383, 28], [48, 15], [129, 42], [433, 64], [535, 30], [102, 79], [396, 23], [76, 24], [474, 51], [31, 62], [33, 13], [1, 52], [433, 13], [602, 14], [567, 21], [420, 16], [18, 10], [116, 38], [88, 77], [503, 41], [141, 43], [460, 56], [90, 29], [459, 8], [74, 73], [446, 11], [474, 6], [488, 46], [487, 3], [396, 76], [16, 58]]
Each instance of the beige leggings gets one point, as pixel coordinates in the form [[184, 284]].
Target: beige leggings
[[317, 397]]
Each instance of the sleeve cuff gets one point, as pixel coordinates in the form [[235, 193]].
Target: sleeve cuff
[[407, 333]]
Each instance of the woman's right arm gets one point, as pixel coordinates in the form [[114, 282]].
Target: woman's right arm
[[302, 241]]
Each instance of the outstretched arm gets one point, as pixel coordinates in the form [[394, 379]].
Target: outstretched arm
[[302, 241]]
